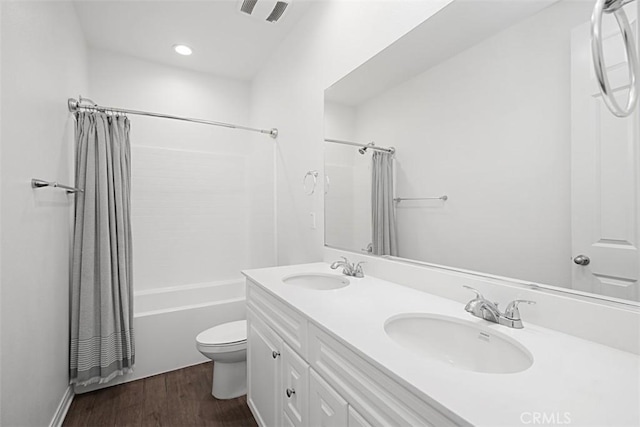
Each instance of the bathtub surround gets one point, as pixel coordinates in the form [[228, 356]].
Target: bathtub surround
[[43, 63], [102, 337], [189, 178]]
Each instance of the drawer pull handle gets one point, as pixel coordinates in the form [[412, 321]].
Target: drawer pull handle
[[290, 392], [275, 354]]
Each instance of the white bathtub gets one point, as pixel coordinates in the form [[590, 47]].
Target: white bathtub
[[165, 300], [167, 320]]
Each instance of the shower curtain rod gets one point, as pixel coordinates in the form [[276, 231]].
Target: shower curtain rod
[[75, 105], [357, 144]]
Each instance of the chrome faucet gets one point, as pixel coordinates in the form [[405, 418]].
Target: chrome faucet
[[487, 310], [348, 268]]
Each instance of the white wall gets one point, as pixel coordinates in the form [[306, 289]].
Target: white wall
[[491, 128], [339, 123], [331, 40], [195, 199], [347, 202], [43, 63]]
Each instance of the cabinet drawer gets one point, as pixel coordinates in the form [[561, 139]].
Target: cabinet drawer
[[377, 398], [286, 322]]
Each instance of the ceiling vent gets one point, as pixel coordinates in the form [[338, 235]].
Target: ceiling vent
[[278, 11], [247, 6], [265, 10]]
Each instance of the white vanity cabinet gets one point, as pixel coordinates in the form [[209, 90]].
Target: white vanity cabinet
[[326, 407], [295, 382], [299, 375], [355, 419], [264, 371], [277, 373]]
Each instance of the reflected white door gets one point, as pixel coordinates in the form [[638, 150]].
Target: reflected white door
[[605, 173]]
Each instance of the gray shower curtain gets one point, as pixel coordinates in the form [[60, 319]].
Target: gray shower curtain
[[102, 341], [383, 228]]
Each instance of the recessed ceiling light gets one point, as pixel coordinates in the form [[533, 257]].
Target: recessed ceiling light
[[182, 49]]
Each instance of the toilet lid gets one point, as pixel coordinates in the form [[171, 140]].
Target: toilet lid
[[224, 334]]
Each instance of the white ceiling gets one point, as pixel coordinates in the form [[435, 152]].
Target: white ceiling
[[225, 41], [455, 28]]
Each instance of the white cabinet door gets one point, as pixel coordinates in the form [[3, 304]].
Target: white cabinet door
[[264, 372], [605, 172], [295, 388], [286, 422], [357, 420], [326, 407]]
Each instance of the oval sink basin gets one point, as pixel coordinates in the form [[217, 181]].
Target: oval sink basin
[[316, 281], [458, 343]]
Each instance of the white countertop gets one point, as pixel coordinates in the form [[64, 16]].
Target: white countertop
[[591, 384]]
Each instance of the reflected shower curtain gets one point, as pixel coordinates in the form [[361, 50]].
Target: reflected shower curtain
[[383, 213], [102, 345]]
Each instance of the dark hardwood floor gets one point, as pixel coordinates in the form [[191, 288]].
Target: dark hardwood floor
[[177, 398]]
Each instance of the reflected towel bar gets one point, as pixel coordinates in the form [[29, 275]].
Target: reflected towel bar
[[400, 199], [39, 183]]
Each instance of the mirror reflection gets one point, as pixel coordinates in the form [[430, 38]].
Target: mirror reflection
[[490, 149]]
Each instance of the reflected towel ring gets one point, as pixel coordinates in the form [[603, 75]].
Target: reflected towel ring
[[615, 7], [314, 175]]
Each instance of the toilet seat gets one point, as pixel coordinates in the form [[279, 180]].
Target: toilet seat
[[227, 336]]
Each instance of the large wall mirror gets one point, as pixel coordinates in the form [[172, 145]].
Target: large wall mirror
[[493, 151]]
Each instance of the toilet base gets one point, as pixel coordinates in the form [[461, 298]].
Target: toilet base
[[229, 380]]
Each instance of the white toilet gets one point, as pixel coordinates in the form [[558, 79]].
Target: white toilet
[[226, 345]]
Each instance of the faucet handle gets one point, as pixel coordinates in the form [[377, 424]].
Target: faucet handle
[[357, 269], [512, 311], [478, 294]]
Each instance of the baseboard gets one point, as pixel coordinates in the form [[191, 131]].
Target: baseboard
[[63, 408]]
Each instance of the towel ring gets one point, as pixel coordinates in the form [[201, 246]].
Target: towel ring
[[314, 175], [615, 7]]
